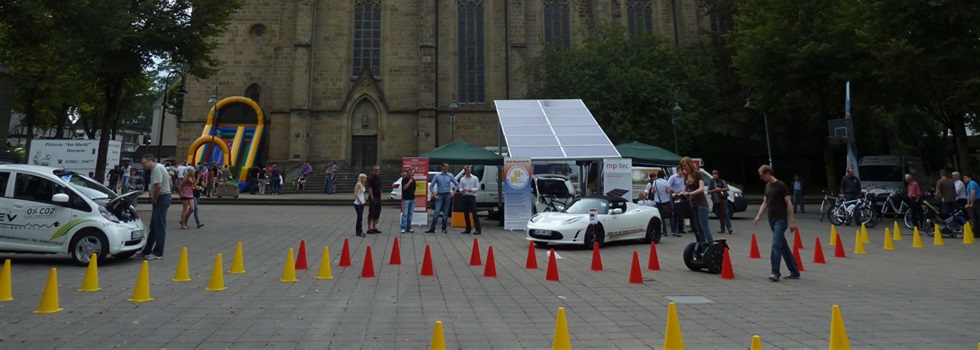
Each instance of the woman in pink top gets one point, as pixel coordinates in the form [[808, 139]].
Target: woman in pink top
[[186, 190]]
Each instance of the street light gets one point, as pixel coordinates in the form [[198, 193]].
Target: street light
[[163, 108], [452, 116], [673, 120], [765, 119], [215, 130]]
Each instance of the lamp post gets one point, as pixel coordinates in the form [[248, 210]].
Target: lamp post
[[214, 128], [163, 108], [452, 116], [673, 120], [765, 119]]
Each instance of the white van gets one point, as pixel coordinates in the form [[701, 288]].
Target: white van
[[887, 173]]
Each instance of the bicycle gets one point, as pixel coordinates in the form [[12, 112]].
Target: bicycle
[[829, 200], [888, 203], [859, 208], [949, 226]]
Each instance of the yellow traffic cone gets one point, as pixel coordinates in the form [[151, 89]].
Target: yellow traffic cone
[[859, 244], [673, 339], [864, 234], [916, 238], [217, 276], [49, 301], [833, 235], [183, 273], [324, 273], [967, 235], [142, 291], [838, 334], [889, 245], [91, 282], [561, 339], [237, 263], [438, 339], [897, 232], [289, 271], [937, 239], [6, 292], [756, 342]]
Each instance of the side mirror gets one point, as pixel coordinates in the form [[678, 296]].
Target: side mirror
[[616, 211], [60, 198]]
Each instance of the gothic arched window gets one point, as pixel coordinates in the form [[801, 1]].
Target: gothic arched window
[[640, 16], [254, 92], [367, 37], [556, 30], [471, 52]]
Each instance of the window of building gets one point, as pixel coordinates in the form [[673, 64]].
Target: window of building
[[367, 37], [640, 16], [471, 52], [254, 92], [718, 25], [556, 31]]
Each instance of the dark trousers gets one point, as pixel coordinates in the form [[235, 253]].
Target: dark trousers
[[681, 209], [915, 206], [359, 209], [469, 207]]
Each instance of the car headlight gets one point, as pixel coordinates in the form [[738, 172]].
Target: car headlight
[[107, 215], [572, 220]]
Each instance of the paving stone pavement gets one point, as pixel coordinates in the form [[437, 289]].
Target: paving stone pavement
[[906, 298]]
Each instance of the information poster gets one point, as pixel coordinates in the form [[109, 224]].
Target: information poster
[[617, 177], [517, 193], [76, 155], [420, 214]]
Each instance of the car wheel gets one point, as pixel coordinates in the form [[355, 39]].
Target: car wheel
[[540, 244], [653, 231], [594, 234], [87, 242], [689, 257]]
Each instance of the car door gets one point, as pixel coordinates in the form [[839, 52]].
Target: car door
[[32, 221], [614, 224]]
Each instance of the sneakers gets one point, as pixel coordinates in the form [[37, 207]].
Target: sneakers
[[791, 277], [409, 231], [476, 233], [730, 231], [774, 278], [359, 234], [444, 230], [403, 231], [153, 257]]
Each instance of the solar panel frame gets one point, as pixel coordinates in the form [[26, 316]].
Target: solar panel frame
[[553, 129]]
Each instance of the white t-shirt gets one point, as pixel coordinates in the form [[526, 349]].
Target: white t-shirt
[[159, 175], [960, 189]]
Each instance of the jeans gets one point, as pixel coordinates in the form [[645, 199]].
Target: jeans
[[326, 185], [276, 186], [699, 223], [798, 201], [780, 248], [125, 184], [666, 218], [158, 226], [359, 209], [442, 205], [197, 208], [332, 187], [262, 186], [724, 216], [408, 207], [469, 207]]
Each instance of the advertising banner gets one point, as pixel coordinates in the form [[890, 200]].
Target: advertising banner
[[617, 177], [77, 155], [517, 193], [420, 214]]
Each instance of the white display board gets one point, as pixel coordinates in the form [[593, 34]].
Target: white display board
[[617, 177], [76, 155]]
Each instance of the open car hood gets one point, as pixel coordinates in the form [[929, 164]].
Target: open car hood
[[125, 200]]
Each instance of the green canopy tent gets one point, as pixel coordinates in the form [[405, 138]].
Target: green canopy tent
[[645, 154], [463, 153]]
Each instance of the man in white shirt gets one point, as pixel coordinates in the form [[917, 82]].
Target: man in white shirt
[[126, 172], [675, 185], [469, 185], [657, 191], [159, 187], [960, 190]]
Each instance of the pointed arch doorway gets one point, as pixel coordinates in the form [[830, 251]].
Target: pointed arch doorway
[[364, 135]]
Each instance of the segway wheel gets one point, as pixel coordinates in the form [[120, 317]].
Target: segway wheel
[[689, 257], [714, 257]]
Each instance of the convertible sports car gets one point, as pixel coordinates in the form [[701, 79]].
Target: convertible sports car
[[619, 219]]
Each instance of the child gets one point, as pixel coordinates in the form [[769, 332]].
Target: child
[[301, 183]]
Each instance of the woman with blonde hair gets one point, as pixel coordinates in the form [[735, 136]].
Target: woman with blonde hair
[[359, 190], [186, 190], [695, 190]]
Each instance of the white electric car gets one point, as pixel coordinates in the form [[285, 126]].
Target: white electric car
[[618, 219]]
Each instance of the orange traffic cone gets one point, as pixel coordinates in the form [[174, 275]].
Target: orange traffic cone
[[636, 277], [532, 260], [427, 263], [596, 258], [839, 250], [726, 267], [799, 261], [754, 251], [475, 255], [797, 241], [345, 255], [301, 257], [491, 269], [368, 270], [818, 253], [396, 254], [552, 274], [654, 263]]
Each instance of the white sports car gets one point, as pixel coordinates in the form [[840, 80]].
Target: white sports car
[[618, 219]]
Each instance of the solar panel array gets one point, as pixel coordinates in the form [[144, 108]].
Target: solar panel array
[[552, 129]]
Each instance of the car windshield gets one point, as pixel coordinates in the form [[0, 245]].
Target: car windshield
[[583, 205], [881, 173], [86, 185]]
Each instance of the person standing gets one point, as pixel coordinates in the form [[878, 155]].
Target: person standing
[[798, 194], [408, 200], [850, 187], [330, 183], [719, 194], [914, 193], [374, 199], [960, 190], [675, 185], [275, 177], [661, 199], [778, 206], [694, 190], [946, 191], [359, 190], [261, 174], [444, 186], [972, 194], [114, 179], [127, 171], [469, 184], [186, 191], [199, 189], [159, 187]]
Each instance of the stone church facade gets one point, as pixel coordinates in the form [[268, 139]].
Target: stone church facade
[[371, 81]]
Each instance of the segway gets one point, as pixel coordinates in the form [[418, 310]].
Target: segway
[[699, 256]]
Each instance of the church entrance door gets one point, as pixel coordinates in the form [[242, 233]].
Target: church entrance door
[[364, 152]]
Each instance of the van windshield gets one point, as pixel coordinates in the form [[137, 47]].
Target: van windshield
[[881, 173]]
